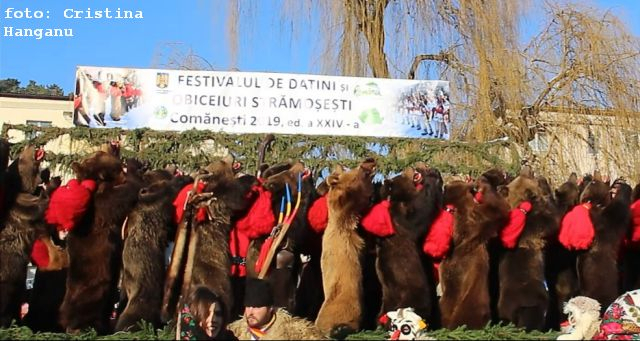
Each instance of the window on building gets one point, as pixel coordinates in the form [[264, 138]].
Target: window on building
[[37, 124], [68, 115], [591, 142], [540, 143]]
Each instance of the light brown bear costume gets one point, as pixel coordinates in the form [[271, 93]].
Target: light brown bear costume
[[464, 273], [349, 198]]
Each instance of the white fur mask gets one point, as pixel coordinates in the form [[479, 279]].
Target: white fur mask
[[405, 324]]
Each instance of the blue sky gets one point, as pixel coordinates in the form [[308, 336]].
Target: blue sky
[[196, 24]]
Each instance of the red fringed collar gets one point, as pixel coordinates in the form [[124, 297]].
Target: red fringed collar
[[576, 229], [438, 240], [510, 234], [318, 214], [260, 219], [69, 203], [378, 221]]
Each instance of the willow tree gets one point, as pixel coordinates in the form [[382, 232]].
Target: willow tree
[[502, 80]]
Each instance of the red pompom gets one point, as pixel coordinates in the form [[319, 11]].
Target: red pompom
[[69, 203], [259, 220], [576, 229], [40, 254], [510, 234], [478, 197], [318, 214], [383, 320], [39, 155], [438, 240], [378, 220]]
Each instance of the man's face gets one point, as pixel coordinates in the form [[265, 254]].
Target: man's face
[[257, 317]]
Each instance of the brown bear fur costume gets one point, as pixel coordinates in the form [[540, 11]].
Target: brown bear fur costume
[[632, 252], [349, 198], [95, 245], [208, 262], [286, 264], [398, 264], [523, 296], [4, 162], [22, 224], [464, 273], [143, 256], [598, 266]]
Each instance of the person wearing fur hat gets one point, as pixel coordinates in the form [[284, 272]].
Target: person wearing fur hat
[[263, 321]]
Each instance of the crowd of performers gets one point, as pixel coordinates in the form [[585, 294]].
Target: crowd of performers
[[340, 254], [430, 115], [98, 95]]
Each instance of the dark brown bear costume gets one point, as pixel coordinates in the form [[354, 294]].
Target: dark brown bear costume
[[95, 245], [143, 256], [411, 208], [4, 162], [349, 198], [598, 265], [464, 273], [208, 260], [23, 222], [560, 263], [285, 266], [523, 297], [632, 250]]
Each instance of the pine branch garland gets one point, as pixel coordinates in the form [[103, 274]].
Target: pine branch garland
[[192, 149], [490, 332]]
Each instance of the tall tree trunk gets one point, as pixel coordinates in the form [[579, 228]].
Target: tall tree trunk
[[370, 16]]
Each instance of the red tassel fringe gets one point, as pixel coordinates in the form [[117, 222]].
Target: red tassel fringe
[[378, 220], [510, 234], [576, 229]]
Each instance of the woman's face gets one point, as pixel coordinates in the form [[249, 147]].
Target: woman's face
[[213, 324]]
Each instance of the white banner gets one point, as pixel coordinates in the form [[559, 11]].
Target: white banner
[[251, 102]]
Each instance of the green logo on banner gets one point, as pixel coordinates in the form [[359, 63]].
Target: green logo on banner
[[161, 112], [370, 116], [369, 89]]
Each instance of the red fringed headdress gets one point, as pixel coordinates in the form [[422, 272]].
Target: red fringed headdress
[[378, 220], [576, 229], [438, 240], [69, 203], [259, 220], [318, 214], [510, 234]]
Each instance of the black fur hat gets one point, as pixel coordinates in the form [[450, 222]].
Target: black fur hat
[[258, 293]]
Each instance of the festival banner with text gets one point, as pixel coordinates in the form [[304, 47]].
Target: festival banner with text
[[252, 102]]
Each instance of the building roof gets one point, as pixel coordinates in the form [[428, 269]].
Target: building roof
[[49, 97]]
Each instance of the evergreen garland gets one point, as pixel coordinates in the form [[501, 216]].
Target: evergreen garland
[[185, 149], [490, 332]]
